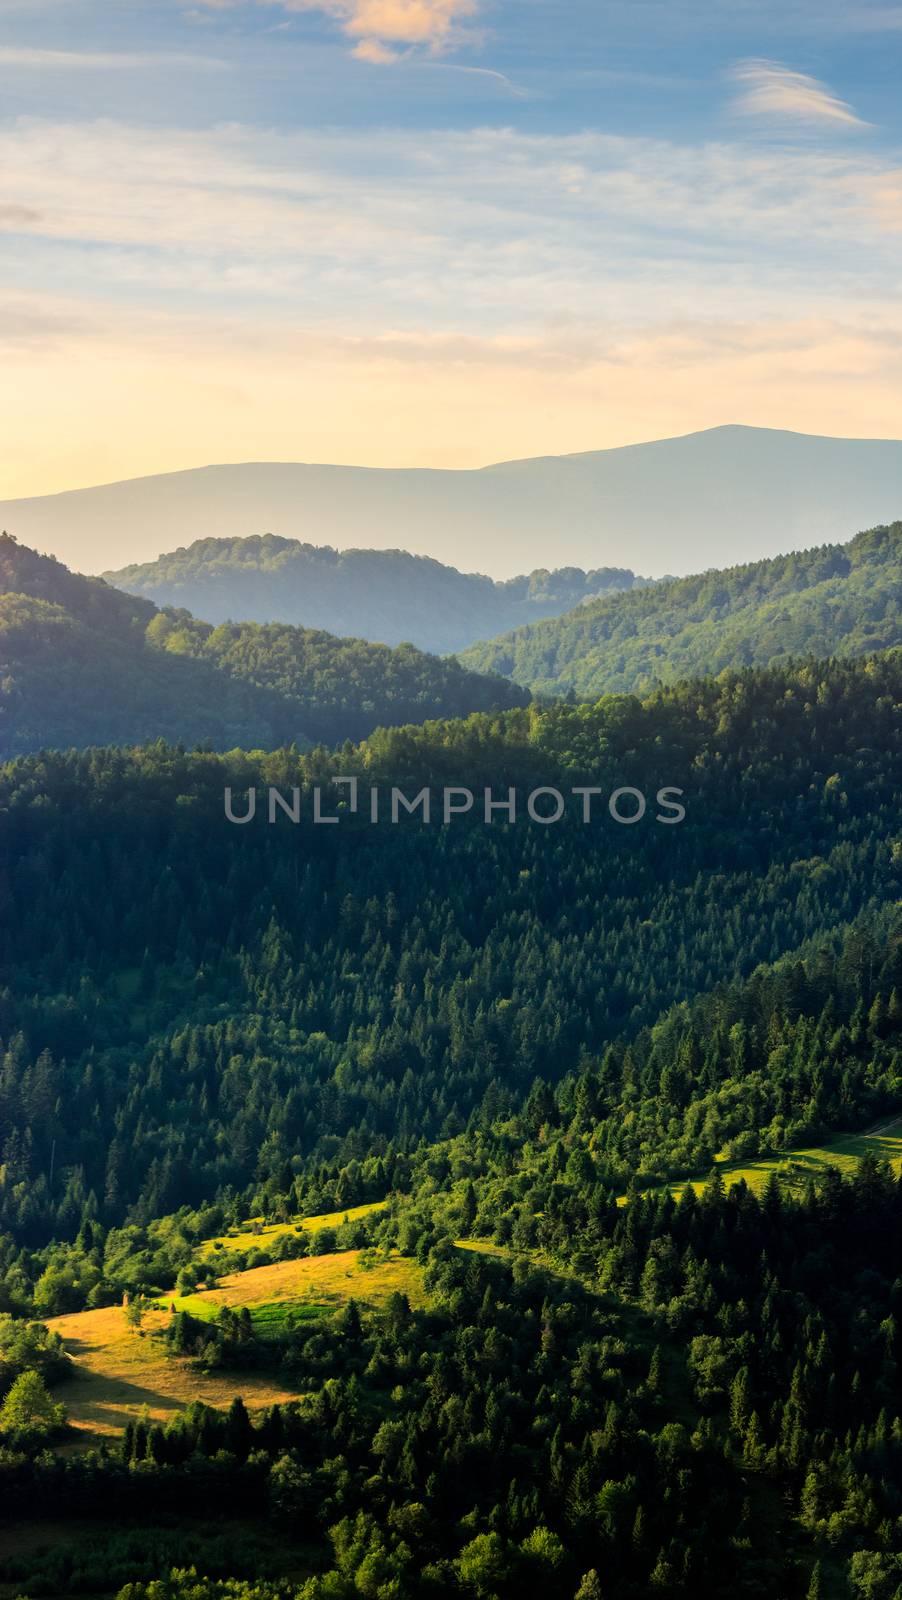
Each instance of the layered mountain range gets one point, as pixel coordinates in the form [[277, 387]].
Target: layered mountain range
[[83, 664]]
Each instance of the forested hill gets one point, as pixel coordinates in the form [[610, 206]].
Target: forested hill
[[293, 991], [384, 595], [554, 1378], [835, 600], [87, 600], [83, 664]]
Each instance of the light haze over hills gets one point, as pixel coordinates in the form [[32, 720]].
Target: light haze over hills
[[384, 595], [714, 498]]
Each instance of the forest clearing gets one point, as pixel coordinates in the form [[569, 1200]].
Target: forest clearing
[[120, 1368]]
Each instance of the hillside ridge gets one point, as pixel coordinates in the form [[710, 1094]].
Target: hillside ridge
[[831, 599], [387, 596]]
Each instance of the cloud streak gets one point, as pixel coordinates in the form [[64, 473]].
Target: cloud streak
[[776, 93], [14, 217], [100, 61], [515, 89]]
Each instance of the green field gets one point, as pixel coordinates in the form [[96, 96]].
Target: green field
[[256, 1234], [796, 1166], [268, 1317], [843, 1152], [301, 1290]]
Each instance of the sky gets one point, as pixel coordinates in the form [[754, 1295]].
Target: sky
[[440, 232]]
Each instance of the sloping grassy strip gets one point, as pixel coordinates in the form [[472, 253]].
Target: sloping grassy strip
[[312, 1285], [269, 1319], [794, 1167], [844, 1152], [255, 1234], [119, 1369]]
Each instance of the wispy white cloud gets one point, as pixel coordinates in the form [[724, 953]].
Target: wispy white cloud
[[516, 89], [488, 229], [778, 94], [100, 61]]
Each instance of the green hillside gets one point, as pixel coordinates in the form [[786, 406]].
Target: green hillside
[[120, 1368], [386, 595], [520, 1038], [511, 1323], [836, 600], [88, 600], [794, 1168], [296, 991], [335, 688], [83, 664]]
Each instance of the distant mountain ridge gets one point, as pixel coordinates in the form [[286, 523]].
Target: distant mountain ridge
[[384, 595], [833, 600], [667, 506], [83, 664]]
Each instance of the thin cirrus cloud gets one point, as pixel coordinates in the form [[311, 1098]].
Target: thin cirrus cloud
[[776, 93], [463, 296], [515, 89], [29, 56], [481, 230]]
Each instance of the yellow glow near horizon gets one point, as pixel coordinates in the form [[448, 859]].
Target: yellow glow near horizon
[[91, 411]]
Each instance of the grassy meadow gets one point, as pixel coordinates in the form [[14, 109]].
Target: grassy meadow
[[120, 1369], [257, 1234]]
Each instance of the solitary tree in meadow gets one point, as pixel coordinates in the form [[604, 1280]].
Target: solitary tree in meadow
[[29, 1406]]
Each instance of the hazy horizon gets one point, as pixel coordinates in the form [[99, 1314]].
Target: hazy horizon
[[714, 498], [484, 466]]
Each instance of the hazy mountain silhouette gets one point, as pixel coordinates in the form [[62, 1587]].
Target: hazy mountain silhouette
[[673, 506]]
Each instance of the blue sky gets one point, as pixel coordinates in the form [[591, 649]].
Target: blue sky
[[635, 67], [440, 231]]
